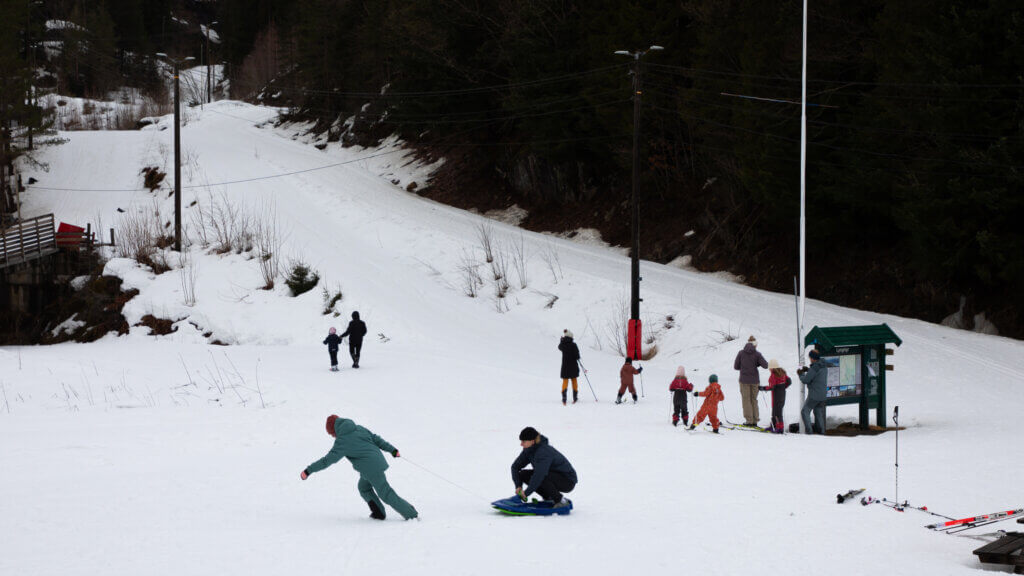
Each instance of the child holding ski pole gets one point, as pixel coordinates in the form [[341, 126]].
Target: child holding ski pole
[[680, 387], [626, 374], [712, 396], [777, 384]]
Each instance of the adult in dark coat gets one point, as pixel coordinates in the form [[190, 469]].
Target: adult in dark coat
[[355, 332], [551, 474], [816, 379], [570, 365], [748, 360]]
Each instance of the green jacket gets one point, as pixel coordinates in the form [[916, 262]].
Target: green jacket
[[359, 445]]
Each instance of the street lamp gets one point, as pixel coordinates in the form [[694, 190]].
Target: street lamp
[[177, 62], [634, 331]]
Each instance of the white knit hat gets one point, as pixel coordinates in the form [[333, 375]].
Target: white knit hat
[[567, 332], [681, 372], [773, 364]]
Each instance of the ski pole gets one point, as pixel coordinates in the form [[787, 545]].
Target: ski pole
[[642, 395], [584, 368], [896, 421]]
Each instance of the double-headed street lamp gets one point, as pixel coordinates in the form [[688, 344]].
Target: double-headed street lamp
[[634, 333], [177, 62]]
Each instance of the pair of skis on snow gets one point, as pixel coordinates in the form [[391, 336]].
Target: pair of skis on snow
[[950, 526]]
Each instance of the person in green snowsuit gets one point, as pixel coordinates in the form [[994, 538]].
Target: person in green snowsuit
[[362, 448]]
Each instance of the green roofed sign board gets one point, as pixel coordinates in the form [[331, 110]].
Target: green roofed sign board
[[856, 367]]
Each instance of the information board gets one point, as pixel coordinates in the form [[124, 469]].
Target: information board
[[844, 375]]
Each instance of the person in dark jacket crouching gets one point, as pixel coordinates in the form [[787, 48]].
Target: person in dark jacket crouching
[[551, 474]]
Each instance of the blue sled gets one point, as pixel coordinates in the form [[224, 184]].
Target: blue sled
[[515, 507]]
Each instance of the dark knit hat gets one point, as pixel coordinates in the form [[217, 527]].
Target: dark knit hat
[[713, 378], [330, 423], [529, 433], [629, 360], [813, 355]]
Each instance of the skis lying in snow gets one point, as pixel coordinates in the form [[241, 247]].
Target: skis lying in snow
[[840, 498], [954, 526]]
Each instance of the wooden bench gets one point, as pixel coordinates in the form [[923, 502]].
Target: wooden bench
[[1008, 550]]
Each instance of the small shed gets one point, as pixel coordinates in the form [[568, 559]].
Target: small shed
[[855, 356]]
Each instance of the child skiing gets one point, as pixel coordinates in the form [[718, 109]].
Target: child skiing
[[680, 387], [712, 396], [570, 365], [777, 383], [626, 378], [332, 342]]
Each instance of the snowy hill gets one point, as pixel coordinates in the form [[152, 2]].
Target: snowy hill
[[169, 455]]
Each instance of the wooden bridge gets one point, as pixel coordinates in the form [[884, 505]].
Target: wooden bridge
[[28, 240]]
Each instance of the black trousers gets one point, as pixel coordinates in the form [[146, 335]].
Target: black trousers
[[334, 357], [679, 406], [778, 403], [353, 350], [552, 486]]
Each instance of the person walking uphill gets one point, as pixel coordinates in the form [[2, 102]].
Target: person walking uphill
[[362, 448], [626, 374], [680, 387], [355, 332], [815, 378], [332, 342], [551, 474], [570, 365], [747, 362], [712, 396]]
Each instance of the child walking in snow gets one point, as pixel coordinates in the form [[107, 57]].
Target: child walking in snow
[[712, 396], [680, 387], [332, 342], [626, 380], [777, 383]]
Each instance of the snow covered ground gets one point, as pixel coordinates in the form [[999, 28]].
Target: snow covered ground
[[169, 455]]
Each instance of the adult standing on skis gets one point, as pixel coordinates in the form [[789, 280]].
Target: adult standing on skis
[[355, 332], [362, 448], [552, 474], [747, 362], [815, 378], [570, 365]]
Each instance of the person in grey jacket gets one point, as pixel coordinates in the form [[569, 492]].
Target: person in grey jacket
[[747, 362], [815, 378], [363, 450], [551, 474]]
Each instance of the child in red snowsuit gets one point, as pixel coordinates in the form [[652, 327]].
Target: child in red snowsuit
[[712, 396], [626, 378], [680, 387], [777, 384]]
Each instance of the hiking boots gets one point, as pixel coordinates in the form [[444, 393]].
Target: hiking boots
[[375, 512], [562, 503]]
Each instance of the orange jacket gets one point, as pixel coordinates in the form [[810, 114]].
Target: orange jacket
[[626, 374], [712, 394]]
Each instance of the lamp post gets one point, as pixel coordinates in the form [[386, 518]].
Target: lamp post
[[176, 62], [634, 333]]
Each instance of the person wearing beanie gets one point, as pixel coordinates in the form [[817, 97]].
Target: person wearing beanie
[[363, 450], [777, 384], [626, 380], [332, 342], [815, 377], [709, 409], [680, 387], [570, 366], [355, 332], [552, 474], [748, 360]]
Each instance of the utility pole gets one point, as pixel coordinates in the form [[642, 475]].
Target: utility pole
[[634, 335], [209, 84], [177, 149]]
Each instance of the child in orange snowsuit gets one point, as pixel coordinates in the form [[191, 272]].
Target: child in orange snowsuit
[[712, 396]]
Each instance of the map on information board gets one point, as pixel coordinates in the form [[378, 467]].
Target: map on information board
[[843, 375]]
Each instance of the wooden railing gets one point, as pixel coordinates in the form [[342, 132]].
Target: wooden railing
[[27, 240]]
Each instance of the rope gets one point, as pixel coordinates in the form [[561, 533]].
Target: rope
[[463, 488]]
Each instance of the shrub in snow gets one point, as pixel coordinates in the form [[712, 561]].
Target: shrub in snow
[[330, 299], [301, 278]]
